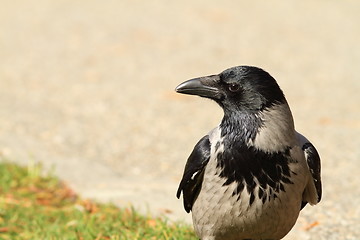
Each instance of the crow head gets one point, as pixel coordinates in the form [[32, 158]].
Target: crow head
[[242, 88]]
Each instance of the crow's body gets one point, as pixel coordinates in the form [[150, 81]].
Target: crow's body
[[250, 176]]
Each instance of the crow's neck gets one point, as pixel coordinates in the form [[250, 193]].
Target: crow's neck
[[269, 130], [242, 126]]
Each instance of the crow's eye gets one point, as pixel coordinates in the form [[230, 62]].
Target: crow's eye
[[234, 87]]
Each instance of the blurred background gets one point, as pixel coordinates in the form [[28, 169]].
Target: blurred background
[[87, 88]]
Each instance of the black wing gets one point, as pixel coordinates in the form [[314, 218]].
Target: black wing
[[193, 176], [313, 161]]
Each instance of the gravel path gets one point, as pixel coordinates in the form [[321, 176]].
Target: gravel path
[[87, 87]]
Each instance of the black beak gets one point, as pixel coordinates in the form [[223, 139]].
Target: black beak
[[203, 87]]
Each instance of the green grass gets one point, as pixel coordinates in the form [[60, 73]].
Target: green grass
[[38, 206]]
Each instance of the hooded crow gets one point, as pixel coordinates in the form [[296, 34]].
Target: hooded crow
[[249, 177]]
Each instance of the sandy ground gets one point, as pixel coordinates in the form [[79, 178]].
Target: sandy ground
[[87, 87]]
